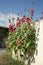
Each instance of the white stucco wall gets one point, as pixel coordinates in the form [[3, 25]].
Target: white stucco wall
[[39, 57]]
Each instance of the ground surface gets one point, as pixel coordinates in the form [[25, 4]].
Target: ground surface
[[5, 59], [2, 56]]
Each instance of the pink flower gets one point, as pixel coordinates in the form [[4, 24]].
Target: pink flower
[[19, 41], [18, 23], [28, 20], [31, 12]]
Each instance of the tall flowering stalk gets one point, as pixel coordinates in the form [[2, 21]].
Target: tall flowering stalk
[[22, 38], [42, 14]]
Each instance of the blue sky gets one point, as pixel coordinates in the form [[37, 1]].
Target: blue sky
[[18, 6]]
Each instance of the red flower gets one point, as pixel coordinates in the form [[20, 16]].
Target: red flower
[[13, 29], [23, 18], [31, 12], [19, 41], [18, 23], [28, 20], [10, 26]]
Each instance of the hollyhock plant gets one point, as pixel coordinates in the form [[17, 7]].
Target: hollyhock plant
[[22, 39]]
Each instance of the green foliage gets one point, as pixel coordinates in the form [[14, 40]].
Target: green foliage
[[26, 33]]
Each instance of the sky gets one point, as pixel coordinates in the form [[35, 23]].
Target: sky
[[17, 6]]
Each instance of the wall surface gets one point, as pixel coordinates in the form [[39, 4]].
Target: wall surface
[[39, 57]]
